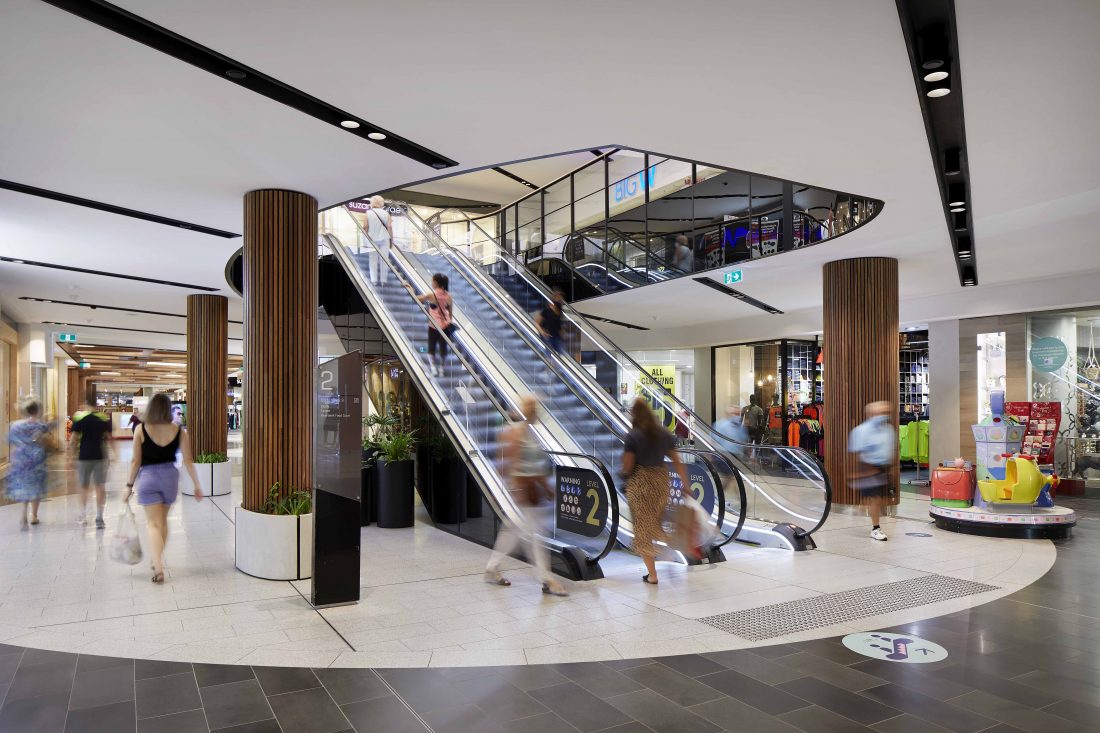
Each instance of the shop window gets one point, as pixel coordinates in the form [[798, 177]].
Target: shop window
[[991, 369]]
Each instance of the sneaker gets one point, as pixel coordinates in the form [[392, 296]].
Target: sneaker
[[99, 523], [878, 534]]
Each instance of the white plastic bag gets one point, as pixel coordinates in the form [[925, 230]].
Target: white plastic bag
[[693, 530], [126, 544]]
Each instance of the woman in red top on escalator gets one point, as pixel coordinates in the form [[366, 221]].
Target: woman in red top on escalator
[[439, 308]]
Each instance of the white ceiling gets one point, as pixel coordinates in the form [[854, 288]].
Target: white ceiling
[[90, 113]]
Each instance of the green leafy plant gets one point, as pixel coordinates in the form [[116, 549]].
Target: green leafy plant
[[399, 446], [211, 458], [378, 429], [290, 502]]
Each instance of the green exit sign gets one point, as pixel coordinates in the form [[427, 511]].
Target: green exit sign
[[67, 338], [85, 364], [732, 278]]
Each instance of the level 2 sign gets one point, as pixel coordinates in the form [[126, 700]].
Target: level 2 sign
[[904, 648], [733, 277]]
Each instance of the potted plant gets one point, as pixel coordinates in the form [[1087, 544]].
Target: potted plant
[[376, 429], [215, 475], [276, 542], [395, 480]]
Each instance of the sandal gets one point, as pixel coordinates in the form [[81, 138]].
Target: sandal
[[158, 578], [34, 521], [645, 579], [497, 579], [560, 592]]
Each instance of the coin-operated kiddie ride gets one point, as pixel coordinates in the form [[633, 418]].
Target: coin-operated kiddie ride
[[1007, 495]]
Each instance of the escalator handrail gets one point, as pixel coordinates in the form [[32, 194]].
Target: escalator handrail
[[712, 439], [612, 500], [334, 243]]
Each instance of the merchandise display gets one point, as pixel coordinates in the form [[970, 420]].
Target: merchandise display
[[1008, 495]]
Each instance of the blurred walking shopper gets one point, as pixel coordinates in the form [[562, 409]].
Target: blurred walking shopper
[[30, 441], [754, 419], [549, 321], [527, 472], [380, 232], [732, 431], [683, 258], [646, 446], [875, 442], [439, 309], [157, 442], [93, 430]]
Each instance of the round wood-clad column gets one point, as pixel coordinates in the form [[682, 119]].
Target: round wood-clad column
[[280, 341], [207, 342], [861, 357]]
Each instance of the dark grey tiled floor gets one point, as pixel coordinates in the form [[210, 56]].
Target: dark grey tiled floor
[[1028, 662]]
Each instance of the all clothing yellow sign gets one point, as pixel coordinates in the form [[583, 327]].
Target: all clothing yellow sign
[[665, 376]]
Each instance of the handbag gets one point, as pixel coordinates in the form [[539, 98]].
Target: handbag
[[126, 544]]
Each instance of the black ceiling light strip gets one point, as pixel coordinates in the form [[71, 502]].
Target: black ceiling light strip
[[119, 328], [514, 177], [614, 322], [97, 306], [933, 44], [143, 31], [112, 209], [52, 266], [746, 299]]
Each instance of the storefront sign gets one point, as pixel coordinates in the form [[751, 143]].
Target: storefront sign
[[580, 505], [732, 278], [904, 648], [665, 376], [1048, 354], [363, 207], [633, 185]]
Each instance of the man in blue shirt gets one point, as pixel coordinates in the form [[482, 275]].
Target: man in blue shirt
[[735, 434], [875, 442]]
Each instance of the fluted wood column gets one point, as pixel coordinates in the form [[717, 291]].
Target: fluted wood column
[[207, 378], [280, 340], [861, 357]]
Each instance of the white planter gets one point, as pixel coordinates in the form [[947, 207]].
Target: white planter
[[216, 479], [274, 547]]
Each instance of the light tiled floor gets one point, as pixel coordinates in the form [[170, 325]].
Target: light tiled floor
[[424, 602]]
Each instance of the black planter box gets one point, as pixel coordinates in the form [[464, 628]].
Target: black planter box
[[448, 491], [368, 487], [424, 476], [395, 494]]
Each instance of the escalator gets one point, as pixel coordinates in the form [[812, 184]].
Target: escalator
[[506, 352], [788, 496], [471, 400]]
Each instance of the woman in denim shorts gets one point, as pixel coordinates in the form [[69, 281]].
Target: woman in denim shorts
[[154, 474]]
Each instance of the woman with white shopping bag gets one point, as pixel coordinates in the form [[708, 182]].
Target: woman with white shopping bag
[[157, 442]]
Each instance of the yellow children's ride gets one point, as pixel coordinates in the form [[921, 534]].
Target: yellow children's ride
[[1022, 483]]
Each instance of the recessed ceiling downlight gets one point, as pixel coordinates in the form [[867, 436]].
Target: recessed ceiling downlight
[[958, 209], [376, 135], [236, 74], [935, 92], [935, 76], [349, 124]]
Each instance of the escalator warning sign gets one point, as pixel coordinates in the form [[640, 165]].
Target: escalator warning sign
[[580, 503]]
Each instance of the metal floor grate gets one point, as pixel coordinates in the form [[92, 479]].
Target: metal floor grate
[[780, 619]]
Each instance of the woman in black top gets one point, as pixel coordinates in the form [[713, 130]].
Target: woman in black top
[[153, 468], [647, 489]]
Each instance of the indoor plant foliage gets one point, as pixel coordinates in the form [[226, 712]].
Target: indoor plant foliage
[[395, 479], [211, 458], [214, 472], [287, 502]]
